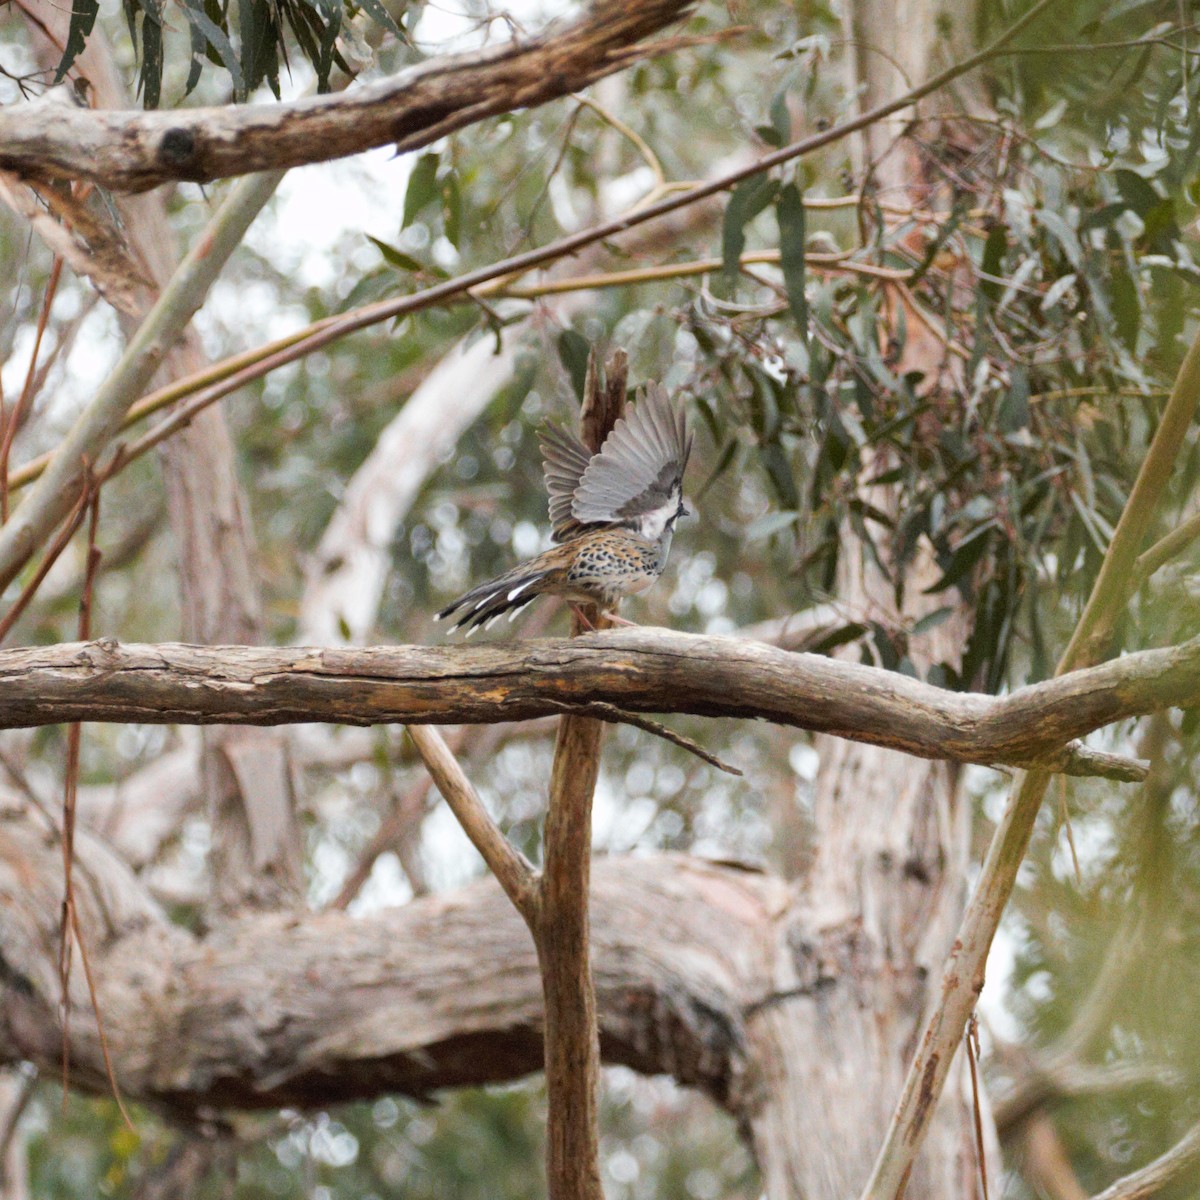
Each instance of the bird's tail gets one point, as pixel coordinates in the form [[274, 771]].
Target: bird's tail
[[507, 593]]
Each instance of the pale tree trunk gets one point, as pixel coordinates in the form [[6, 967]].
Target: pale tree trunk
[[247, 778], [882, 899]]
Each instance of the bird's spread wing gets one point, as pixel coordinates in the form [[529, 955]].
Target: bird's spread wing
[[564, 460], [639, 470]]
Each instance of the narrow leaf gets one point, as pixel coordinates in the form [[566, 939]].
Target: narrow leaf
[[422, 187], [789, 212], [746, 201], [83, 17]]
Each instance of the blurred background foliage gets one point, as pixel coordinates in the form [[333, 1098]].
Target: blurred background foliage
[[1054, 265]]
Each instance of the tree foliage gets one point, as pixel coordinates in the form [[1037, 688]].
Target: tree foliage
[[1049, 263]]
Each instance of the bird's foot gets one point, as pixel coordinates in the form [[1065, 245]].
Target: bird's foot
[[615, 620]]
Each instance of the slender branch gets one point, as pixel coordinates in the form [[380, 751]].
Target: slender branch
[[563, 937], [1165, 549], [511, 868], [52, 497], [1179, 1163], [225, 377], [563, 929], [963, 975], [216, 382]]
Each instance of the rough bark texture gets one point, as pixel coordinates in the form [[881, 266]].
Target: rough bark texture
[[642, 670], [272, 1010], [132, 151]]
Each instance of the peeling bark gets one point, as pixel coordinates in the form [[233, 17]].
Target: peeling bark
[[51, 138]]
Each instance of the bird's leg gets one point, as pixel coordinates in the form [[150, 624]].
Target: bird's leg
[[615, 620], [583, 620]]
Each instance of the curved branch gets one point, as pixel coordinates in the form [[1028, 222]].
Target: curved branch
[[1178, 1164], [271, 1010], [51, 138], [640, 670]]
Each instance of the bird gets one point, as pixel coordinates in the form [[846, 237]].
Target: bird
[[612, 517]]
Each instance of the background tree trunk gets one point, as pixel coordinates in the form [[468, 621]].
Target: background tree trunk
[[876, 911]]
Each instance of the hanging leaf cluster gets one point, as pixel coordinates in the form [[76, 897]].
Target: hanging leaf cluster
[[249, 39]]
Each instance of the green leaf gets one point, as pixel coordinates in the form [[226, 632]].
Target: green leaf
[[150, 77], [931, 620], [789, 212], [83, 17], [1014, 405], [422, 188], [962, 560], [451, 207], [1138, 193], [779, 471], [781, 119], [1127, 307], [746, 201], [993, 261], [573, 350], [380, 15], [207, 33], [396, 258]]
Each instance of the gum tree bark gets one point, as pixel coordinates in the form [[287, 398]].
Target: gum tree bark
[[882, 898], [268, 1010]]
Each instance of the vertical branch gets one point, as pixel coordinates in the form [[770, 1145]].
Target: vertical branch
[[962, 978], [572, 1044]]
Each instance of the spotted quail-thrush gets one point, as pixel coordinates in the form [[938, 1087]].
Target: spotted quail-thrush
[[612, 513]]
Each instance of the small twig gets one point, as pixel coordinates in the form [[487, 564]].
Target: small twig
[[630, 134], [1180, 1162], [613, 715], [973, 1055], [70, 918], [1165, 549], [13, 425], [65, 534], [1066, 820]]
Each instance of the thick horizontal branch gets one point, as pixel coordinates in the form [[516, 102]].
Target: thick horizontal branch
[[276, 1009], [132, 151], [640, 670]]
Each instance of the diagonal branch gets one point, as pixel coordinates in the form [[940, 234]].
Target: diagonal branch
[[51, 138], [1180, 1163], [963, 974], [511, 868], [58, 487], [640, 670]]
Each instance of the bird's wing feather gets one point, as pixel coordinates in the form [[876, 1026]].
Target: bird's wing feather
[[564, 460], [640, 464]]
